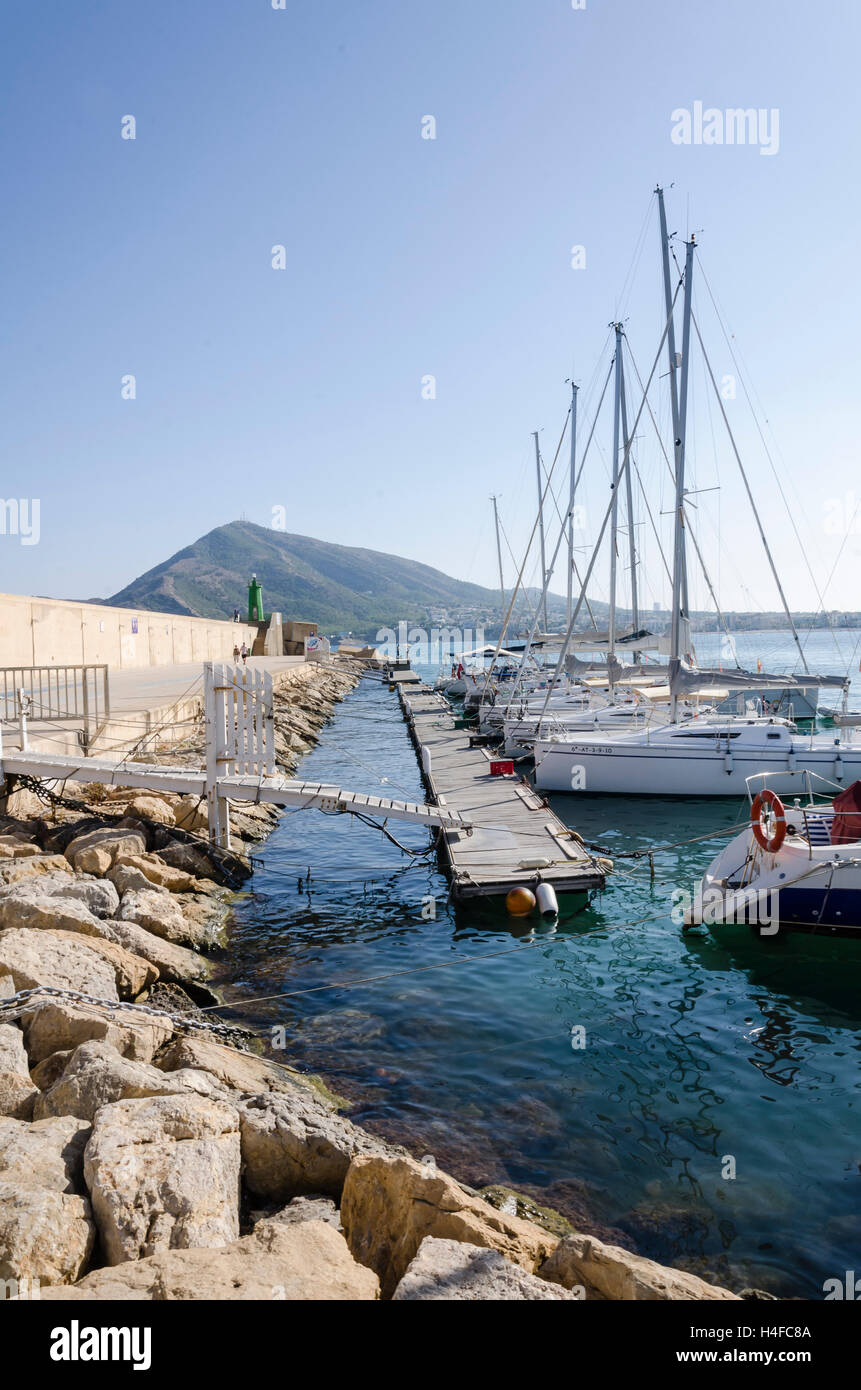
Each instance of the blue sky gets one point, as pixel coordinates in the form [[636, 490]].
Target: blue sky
[[258, 388]]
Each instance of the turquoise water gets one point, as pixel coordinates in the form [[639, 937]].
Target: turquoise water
[[699, 1049]]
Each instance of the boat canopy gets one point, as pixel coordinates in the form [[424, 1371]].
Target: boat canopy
[[685, 678]]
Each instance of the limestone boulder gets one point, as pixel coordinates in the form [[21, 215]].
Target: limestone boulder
[[294, 1143], [128, 878], [17, 1091], [452, 1269], [13, 1054], [390, 1204], [157, 873], [45, 1235], [47, 1073], [64, 961], [240, 1070], [113, 839], [95, 860], [132, 973], [99, 895], [175, 963], [57, 1025], [192, 813], [13, 847], [151, 808], [7, 987], [18, 1095], [14, 870], [46, 1153], [304, 1262], [49, 913], [97, 1075], [163, 1174], [305, 1209], [156, 911], [584, 1262]]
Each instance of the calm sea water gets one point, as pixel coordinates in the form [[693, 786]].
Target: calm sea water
[[452, 1033]]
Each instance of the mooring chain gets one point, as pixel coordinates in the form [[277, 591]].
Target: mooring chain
[[13, 1006]]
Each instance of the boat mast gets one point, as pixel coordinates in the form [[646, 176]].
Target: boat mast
[[679, 549], [499, 556], [674, 365], [614, 515], [632, 543], [573, 489], [541, 528]]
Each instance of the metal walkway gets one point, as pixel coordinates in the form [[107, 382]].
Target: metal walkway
[[516, 840], [280, 791]]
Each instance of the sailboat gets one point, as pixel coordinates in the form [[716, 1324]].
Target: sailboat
[[796, 867], [713, 755]]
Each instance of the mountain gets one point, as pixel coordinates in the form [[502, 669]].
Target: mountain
[[342, 588]]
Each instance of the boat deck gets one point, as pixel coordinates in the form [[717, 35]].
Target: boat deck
[[515, 839]]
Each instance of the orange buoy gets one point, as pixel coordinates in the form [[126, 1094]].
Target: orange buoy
[[520, 902]]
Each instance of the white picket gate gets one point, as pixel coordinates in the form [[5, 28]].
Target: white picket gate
[[240, 734]]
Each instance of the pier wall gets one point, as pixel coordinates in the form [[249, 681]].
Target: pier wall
[[36, 632]]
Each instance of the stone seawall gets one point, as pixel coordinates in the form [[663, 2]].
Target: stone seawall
[[146, 1154]]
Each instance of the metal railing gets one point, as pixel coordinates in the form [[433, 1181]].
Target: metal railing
[[56, 693]]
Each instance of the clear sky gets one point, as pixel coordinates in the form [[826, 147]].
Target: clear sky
[[406, 257]]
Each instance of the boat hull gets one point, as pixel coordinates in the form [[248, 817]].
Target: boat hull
[[640, 770]]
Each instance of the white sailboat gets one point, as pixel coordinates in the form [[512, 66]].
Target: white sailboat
[[710, 756]]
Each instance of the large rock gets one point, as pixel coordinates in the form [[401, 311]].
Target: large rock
[[18, 1095], [21, 804], [7, 987], [307, 1261], [176, 963], [239, 1070], [56, 1025], [451, 1269], [49, 913], [64, 961], [132, 973], [163, 1173], [390, 1204], [14, 870], [584, 1262], [99, 895], [156, 911], [192, 813], [294, 1143], [112, 839], [95, 860], [42, 885], [13, 1054], [46, 1153], [97, 1075], [12, 847], [128, 878], [151, 808], [154, 870], [17, 1092], [45, 1235]]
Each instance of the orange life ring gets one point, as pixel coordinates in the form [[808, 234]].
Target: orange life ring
[[768, 798]]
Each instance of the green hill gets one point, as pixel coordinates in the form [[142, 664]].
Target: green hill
[[342, 588]]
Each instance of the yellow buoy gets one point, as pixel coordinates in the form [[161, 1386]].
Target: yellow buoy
[[520, 902]]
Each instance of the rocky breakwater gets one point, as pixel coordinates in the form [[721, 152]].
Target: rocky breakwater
[[144, 1157]]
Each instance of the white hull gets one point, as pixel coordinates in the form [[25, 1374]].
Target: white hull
[[808, 885], [690, 760]]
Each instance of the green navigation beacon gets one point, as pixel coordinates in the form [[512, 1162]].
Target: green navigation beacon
[[255, 600]]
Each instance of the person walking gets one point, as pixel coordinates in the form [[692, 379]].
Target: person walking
[[235, 653], [244, 653]]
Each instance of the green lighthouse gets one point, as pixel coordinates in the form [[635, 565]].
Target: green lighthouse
[[255, 600]]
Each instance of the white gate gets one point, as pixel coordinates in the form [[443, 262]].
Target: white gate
[[240, 734]]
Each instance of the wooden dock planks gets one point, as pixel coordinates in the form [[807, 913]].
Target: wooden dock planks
[[515, 838]]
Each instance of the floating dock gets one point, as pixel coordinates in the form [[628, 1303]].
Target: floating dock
[[514, 839]]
